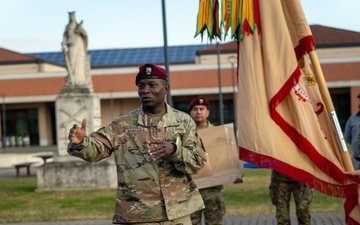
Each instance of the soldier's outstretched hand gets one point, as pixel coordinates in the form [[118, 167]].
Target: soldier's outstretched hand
[[77, 133]]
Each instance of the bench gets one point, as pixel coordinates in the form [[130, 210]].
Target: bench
[[45, 156], [22, 165]]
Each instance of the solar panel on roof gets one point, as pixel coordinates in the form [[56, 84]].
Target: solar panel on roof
[[131, 56]]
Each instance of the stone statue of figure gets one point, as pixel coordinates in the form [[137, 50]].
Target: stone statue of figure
[[74, 47]]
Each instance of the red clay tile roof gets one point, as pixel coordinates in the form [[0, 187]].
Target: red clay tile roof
[[325, 37], [329, 36], [229, 47], [10, 56]]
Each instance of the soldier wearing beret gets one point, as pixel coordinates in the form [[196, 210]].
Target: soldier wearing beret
[[213, 199], [156, 150]]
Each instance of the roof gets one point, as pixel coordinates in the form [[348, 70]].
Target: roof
[[7, 56], [132, 56], [325, 37]]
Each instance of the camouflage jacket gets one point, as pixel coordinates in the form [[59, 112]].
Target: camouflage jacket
[[149, 190]]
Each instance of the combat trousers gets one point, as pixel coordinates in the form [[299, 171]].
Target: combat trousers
[[214, 207], [280, 193]]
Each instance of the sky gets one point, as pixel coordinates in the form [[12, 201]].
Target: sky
[[29, 26]]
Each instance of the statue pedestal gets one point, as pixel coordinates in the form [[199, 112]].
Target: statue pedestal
[[76, 175], [74, 104], [72, 107]]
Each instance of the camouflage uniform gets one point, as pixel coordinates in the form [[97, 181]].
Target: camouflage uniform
[[357, 160], [281, 187], [214, 203], [148, 190]]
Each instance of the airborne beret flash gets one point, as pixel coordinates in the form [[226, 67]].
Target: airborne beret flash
[[150, 71], [198, 101]]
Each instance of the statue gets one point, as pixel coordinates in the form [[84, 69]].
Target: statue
[[74, 47]]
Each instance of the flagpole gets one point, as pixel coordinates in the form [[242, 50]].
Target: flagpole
[[330, 107]]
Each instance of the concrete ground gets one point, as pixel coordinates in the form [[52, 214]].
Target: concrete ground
[[336, 218]]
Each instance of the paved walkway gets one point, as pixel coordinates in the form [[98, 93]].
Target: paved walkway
[[336, 218]]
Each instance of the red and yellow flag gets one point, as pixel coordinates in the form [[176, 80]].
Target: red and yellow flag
[[290, 130], [283, 121]]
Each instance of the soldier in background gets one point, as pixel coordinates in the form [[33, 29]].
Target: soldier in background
[[213, 199], [156, 150], [281, 187], [351, 135], [357, 171]]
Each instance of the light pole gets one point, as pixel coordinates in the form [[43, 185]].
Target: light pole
[[166, 57], [111, 104], [3, 122], [232, 60], [220, 91]]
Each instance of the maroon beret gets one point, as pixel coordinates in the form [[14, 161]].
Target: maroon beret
[[148, 71], [198, 101]]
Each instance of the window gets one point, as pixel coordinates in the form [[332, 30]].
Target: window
[[20, 123]]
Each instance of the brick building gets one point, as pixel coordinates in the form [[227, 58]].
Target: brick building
[[29, 83]]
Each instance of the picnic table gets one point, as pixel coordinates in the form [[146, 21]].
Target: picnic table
[[45, 156]]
